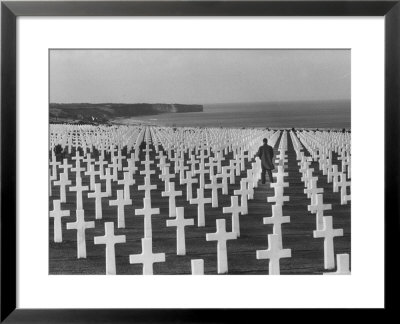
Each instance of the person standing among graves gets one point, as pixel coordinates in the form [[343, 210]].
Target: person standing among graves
[[266, 155]]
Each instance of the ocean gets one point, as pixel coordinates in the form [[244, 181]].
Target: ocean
[[321, 114]]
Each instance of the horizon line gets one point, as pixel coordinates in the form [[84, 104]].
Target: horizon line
[[209, 103]]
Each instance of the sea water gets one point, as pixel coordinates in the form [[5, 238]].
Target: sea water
[[321, 114]]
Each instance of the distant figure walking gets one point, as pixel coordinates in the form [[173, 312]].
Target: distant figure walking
[[266, 155]]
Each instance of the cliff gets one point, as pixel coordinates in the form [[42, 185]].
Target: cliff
[[102, 113]]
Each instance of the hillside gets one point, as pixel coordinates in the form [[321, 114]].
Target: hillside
[[102, 113]]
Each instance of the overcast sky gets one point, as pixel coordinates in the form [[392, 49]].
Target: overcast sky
[[198, 76]]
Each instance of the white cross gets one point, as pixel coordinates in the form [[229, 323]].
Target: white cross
[[65, 166], [318, 209], [119, 157], [108, 177], [147, 212], [147, 257], [274, 253], [127, 182], [231, 169], [243, 192], [280, 178], [312, 191], [343, 184], [57, 214], [131, 168], [180, 222], [63, 182], [277, 219], [202, 156], [147, 150], [221, 236], [278, 197], [101, 163], [109, 239], [192, 162], [236, 164], [189, 181], [328, 233], [147, 171], [98, 195], [343, 265], [54, 164], [121, 202], [235, 209], [181, 168], [88, 160], [78, 168], [308, 176], [114, 167], [197, 266], [200, 201], [80, 226], [77, 156], [212, 163], [92, 174], [224, 176], [163, 164], [147, 187], [214, 186], [201, 171], [79, 189], [171, 193], [166, 178], [219, 158]]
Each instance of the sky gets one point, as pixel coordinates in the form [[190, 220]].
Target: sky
[[198, 76]]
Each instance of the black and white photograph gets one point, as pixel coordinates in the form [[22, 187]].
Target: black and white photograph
[[199, 161]]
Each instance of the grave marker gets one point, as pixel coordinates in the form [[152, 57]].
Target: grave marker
[[80, 226], [171, 193], [78, 188], [221, 236], [98, 195], [147, 257], [110, 239], [147, 211], [343, 265], [180, 222], [57, 214], [318, 209], [277, 220], [235, 209], [197, 266], [121, 202], [274, 253], [328, 234], [200, 201], [63, 182]]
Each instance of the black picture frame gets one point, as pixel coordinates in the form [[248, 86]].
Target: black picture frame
[[11, 10]]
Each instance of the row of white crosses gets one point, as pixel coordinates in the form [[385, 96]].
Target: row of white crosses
[[202, 150], [324, 224], [147, 211], [88, 137], [244, 193], [122, 200], [275, 250], [321, 145], [221, 235], [109, 239]]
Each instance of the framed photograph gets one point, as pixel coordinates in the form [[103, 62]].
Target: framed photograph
[[163, 158]]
